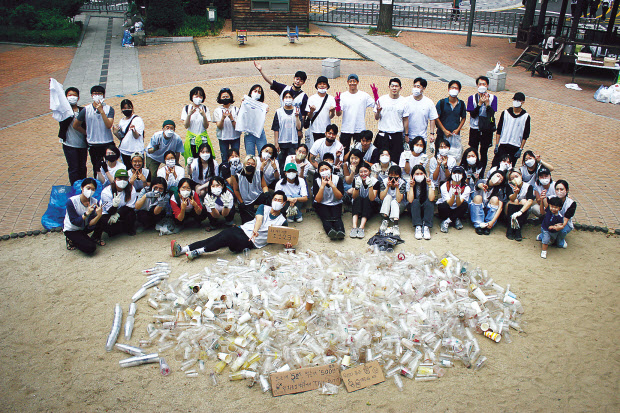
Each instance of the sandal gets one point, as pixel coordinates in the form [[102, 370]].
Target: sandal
[[70, 245], [99, 242]]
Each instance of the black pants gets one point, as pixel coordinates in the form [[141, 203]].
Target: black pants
[[484, 140], [234, 238], [228, 218], [594, 7], [346, 138], [126, 160], [247, 212], [76, 162], [422, 213], [286, 149], [511, 209], [505, 149], [331, 216], [192, 215], [148, 219], [364, 207], [97, 154], [125, 223], [392, 142], [445, 211], [81, 240]]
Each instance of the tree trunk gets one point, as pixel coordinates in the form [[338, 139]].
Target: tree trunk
[[386, 10], [528, 16]]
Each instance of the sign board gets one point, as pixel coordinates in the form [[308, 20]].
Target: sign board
[[362, 376], [301, 380], [282, 235]]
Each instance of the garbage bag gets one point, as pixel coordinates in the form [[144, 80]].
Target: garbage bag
[[614, 94], [601, 94], [456, 148], [55, 214]]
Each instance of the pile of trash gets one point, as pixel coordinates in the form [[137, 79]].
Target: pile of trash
[[416, 314], [609, 94]]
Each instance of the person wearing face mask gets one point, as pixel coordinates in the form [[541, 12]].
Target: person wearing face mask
[[392, 194], [130, 132], [518, 205], [286, 124], [118, 201], [420, 113], [504, 166], [421, 196], [296, 192], [185, 204], [225, 117], [151, 203], [300, 99], [73, 138], [219, 203], [250, 189], [350, 172], [513, 130], [441, 165], [452, 114], [454, 200], [252, 234], [544, 188], [162, 142], [322, 109], [139, 176], [531, 164], [364, 196], [171, 171], [328, 144], [268, 165], [370, 153], [99, 119], [390, 111], [351, 105], [328, 190], [231, 167], [482, 107], [81, 217], [381, 168], [203, 168], [472, 166], [256, 119], [486, 207], [196, 118], [111, 163], [415, 156], [567, 210], [300, 159]]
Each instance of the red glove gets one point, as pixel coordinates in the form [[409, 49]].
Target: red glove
[[337, 99], [375, 91]]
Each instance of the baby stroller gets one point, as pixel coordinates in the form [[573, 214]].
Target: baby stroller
[[551, 52]]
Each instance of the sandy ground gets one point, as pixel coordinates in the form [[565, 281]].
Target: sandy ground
[[58, 306], [273, 46]]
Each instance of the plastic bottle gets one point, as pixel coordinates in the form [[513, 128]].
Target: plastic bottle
[[116, 327], [130, 321]]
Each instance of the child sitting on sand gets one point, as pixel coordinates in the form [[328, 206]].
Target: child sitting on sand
[[551, 224]]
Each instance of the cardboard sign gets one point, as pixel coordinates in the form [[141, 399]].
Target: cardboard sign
[[282, 235], [301, 380], [362, 376]]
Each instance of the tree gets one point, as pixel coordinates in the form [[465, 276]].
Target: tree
[[386, 11], [164, 14]]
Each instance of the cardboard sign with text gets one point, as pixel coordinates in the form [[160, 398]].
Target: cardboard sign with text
[[362, 376], [301, 380], [282, 235]]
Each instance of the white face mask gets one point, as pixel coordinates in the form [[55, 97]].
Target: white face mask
[[471, 160], [384, 159], [416, 91], [516, 104], [495, 179], [530, 162], [560, 193], [256, 95], [88, 192], [288, 102], [291, 175], [205, 156], [98, 98], [170, 163], [503, 166], [265, 156], [418, 149], [457, 177], [168, 133], [216, 190], [185, 193], [545, 181], [443, 151], [72, 100], [121, 184], [234, 161], [453, 92], [300, 157], [197, 100], [418, 178], [482, 89], [326, 173], [276, 206], [322, 90]]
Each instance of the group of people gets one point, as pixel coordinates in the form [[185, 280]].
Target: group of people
[[414, 165]]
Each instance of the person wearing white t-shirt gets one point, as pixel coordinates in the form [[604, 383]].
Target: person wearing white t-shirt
[[441, 165], [322, 109], [73, 139], [415, 156], [196, 118], [420, 112], [171, 171], [300, 159], [224, 117], [390, 111], [454, 200], [161, 142], [352, 106], [325, 145], [130, 131], [110, 165]]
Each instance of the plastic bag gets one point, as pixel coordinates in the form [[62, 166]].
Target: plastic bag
[[456, 148], [54, 216], [601, 94], [614, 94]]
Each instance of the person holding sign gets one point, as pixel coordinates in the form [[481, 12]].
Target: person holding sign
[[252, 234]]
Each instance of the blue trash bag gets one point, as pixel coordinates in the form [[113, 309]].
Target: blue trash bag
[[127, 39], [55, 215]]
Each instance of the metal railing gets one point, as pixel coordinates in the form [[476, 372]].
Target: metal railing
[[105, 6]]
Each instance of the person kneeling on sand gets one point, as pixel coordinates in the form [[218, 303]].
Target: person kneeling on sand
[[252, 234]]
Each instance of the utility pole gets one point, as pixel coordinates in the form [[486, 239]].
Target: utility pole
[[470, 26]]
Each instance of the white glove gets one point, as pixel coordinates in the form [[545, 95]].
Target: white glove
[[516, 215], [358, 182], [113, 218], [116, 201], [371, 181], [210, 201], [292, 211], [162, 201], [151, 194], [423, 159], [228, 199], [407, 155], [375, 167], [190, 160]]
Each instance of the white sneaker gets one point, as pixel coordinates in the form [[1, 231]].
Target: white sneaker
[[300, 219], [565, 245], [396, 231], [427, 233], [539, 237], [360, 232], [543, 254], [384, 225], [445, 224], [418, 232], [353, 233]]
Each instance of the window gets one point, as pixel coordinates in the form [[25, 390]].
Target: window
[[270, 5]]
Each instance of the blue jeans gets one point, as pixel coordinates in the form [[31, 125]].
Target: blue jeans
[[479, 213], [558, 237], [252, 142], [228, 145]]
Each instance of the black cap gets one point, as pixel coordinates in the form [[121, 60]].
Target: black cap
[[458, 169], [519, 96], [543, 170], [301, 74], [353, 76], [321, 79]]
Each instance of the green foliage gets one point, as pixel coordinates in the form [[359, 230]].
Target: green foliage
[[68, 8], [59, 37], [199, 26], [164, 14], [24, 15]]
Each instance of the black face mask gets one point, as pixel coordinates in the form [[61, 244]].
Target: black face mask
[[127, 112], [226, 101], [330, 140], [249, 170], [111, 158]]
